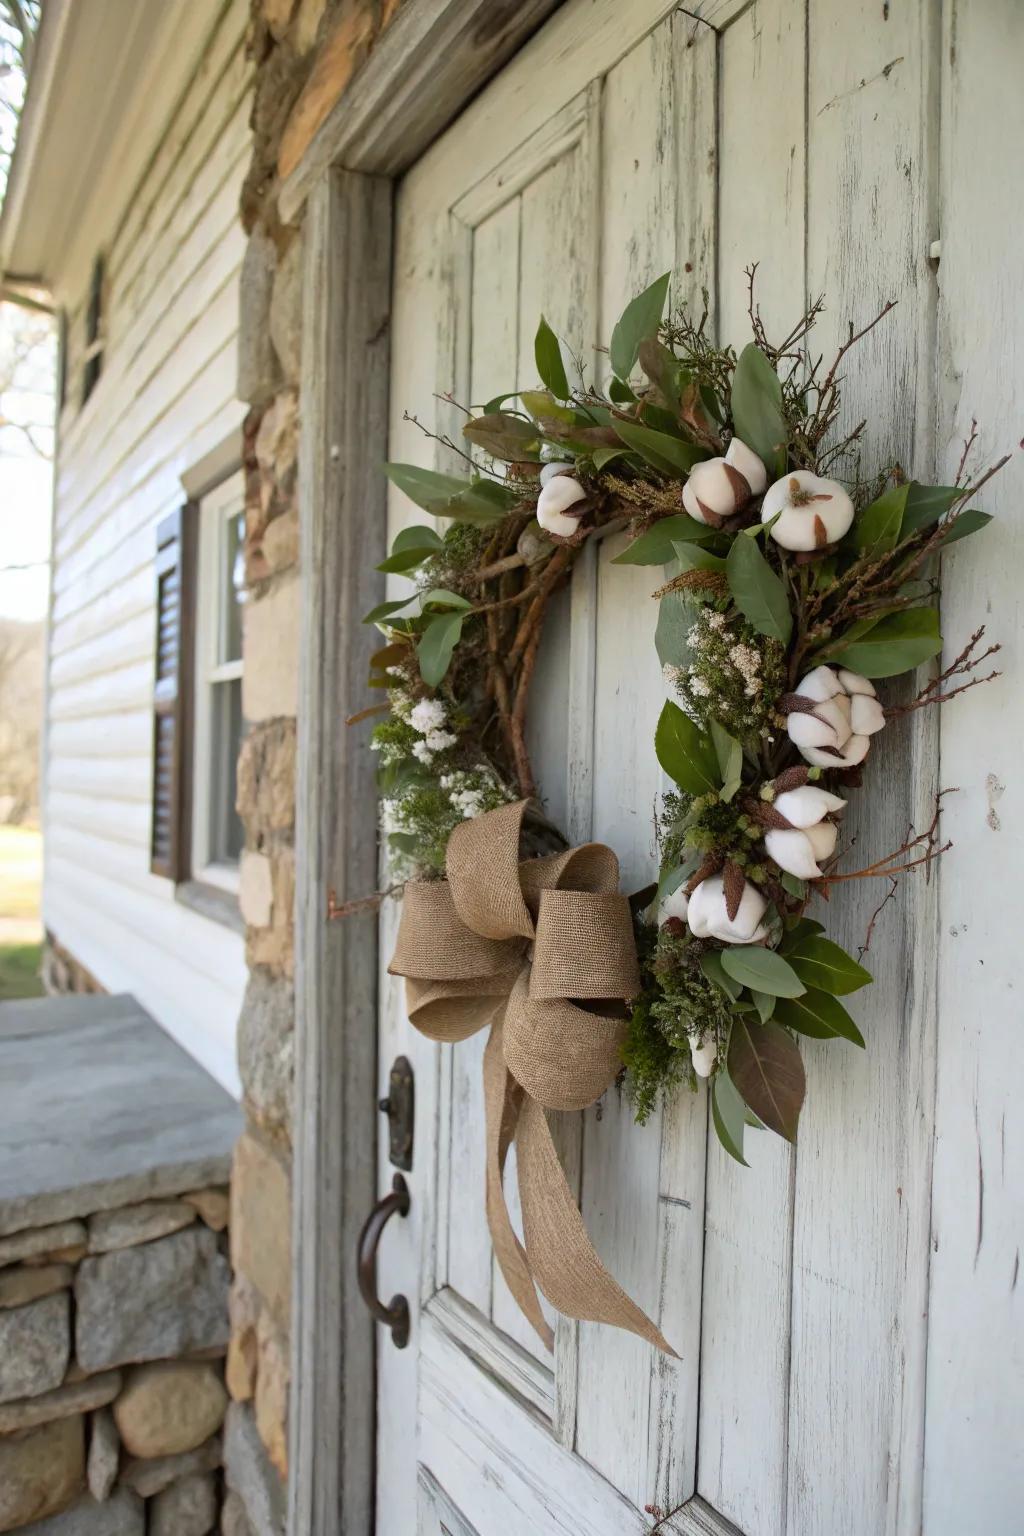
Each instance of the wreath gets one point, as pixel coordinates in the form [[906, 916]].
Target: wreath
[[793, 586]]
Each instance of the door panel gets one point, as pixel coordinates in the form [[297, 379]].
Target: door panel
[[625, 141]]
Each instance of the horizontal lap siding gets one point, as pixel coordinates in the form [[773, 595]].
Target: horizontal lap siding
[[166, 396]]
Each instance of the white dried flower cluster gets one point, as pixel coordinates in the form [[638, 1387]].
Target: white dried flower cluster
[[472, 792], [747, 662], [732, 675], [428, 717]]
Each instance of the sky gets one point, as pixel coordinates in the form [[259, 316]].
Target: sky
[[25, 473]]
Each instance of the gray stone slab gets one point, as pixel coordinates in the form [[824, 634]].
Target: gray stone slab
[[249, 1474], [154, 1302], [104, 1455], [73, 1397], [101, 1108], [151, 1477], [186, 1508], [123, 1515], [35, 1346]]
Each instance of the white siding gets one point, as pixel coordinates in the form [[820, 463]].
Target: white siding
[[165, 398]]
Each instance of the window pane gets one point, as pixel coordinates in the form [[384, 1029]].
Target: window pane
[[226, 833], [234, 586]]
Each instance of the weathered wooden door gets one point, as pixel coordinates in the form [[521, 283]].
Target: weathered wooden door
[[625, 140]]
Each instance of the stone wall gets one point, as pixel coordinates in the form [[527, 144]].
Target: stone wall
[[61, 972], [304, 52]]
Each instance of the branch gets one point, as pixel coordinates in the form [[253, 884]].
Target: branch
[[924, 848], [965, 663]]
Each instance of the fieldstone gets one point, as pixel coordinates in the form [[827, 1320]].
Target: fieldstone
[[276, 447], [266, 779], [41, 1241], [19, 1286], [156, 1301], [186, 1508], [149, 1478], [261, 1226], [259, 372], [281, 542], [250, 1475], [74, 1397], [255, 889], [286, 311], [270, 641], [266, 1054], [213, 1206], [123, 1515], [104, 1455], [169, 1408], [271, 1400], [233, 1519], [41, 1472], [35, 1346], [244, 1311], [138, 1224]]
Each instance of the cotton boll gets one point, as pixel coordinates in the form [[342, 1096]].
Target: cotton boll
[[829, 726], [749, 464], [823, 839], [866, 714], [820, 685], [708, 916], [810, 512], [553, 502], [673, 905], [806, 806], [854, 751], [854, 683], [557, 467], [793, 851], [709, 489], [703, 1055]]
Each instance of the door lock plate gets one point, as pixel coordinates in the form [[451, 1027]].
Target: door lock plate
[[400, 1108]]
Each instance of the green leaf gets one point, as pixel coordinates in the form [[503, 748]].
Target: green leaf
[[877, 529], [385, 610], [411, 547], [467, 501], [897, 643], [675, 620], [711, 965], [504, 436], [684, 752], [669, 455], [756, 403], [405, 842], [604, 456], [691, 557], [794, 885], [550, 367], [764, 1063], [440, 597], [655, 547], [758, 592], [620, 393], [926, 504], [661, 367], [764, 1002], [824, 965], [728, 1115], [802, 927], [543, 406], [819, 1015], [762, 970], [969, 521], [640, 319], [672, 878], [434, 651], [728, 752]]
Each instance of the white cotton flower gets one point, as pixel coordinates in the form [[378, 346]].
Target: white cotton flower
[[421, 752], [440, 741], [814, 511], [428, 715], [811, 837], [716, 488], [703, 1054], [708, 918], [557, 467], [673, 905], [553, 503], [846, 715], [808, 805]]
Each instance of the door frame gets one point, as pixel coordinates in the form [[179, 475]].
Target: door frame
[[385, 121]]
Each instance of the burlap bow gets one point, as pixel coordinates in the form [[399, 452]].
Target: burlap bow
[[510, 944]]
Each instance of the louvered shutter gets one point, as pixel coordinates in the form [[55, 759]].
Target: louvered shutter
[[172, 692]]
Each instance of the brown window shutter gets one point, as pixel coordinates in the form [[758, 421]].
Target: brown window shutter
[[172, 692]]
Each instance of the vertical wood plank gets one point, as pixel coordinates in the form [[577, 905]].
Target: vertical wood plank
[[974, 1456], [745, 1349], [347, 295], [863, 1157]]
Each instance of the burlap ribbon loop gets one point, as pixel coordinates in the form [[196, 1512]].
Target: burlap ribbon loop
[[518, 946]]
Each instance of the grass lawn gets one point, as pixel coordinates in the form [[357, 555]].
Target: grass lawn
[[21, 868]]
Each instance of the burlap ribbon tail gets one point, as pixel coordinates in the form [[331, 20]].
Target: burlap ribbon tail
[[519, 946]]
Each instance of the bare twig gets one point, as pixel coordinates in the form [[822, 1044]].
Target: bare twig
[[965, 663]]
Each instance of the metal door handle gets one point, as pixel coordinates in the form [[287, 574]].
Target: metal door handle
[[396, 1314]]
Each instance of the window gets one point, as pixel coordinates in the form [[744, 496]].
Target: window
[[217, 835], [93, 332]]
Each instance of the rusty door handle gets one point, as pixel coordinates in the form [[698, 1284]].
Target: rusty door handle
[[396, 1314]]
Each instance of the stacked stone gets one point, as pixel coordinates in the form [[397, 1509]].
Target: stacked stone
[[113, 1331]]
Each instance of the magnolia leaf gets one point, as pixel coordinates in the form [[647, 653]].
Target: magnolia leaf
[[661, 367], [877, 529], [926, 504], [604, 456], [550, 366], [764, 1002], [684, 752], [434, 651], [756, 403], [711, 965], [794, 885], [467, 501], [504, 436], [691, 557], [758, 592], [822, 964], [669, 455], [728, 1115], [761, 970], [672, 878], [675, 620], [801, 929], [897, 643], [764, 1064], [411, 547], [440, 597], [542, 406], [655, 546], [965, 523], [819, 1015], [728, 751], [640, 319], [385, 610]]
